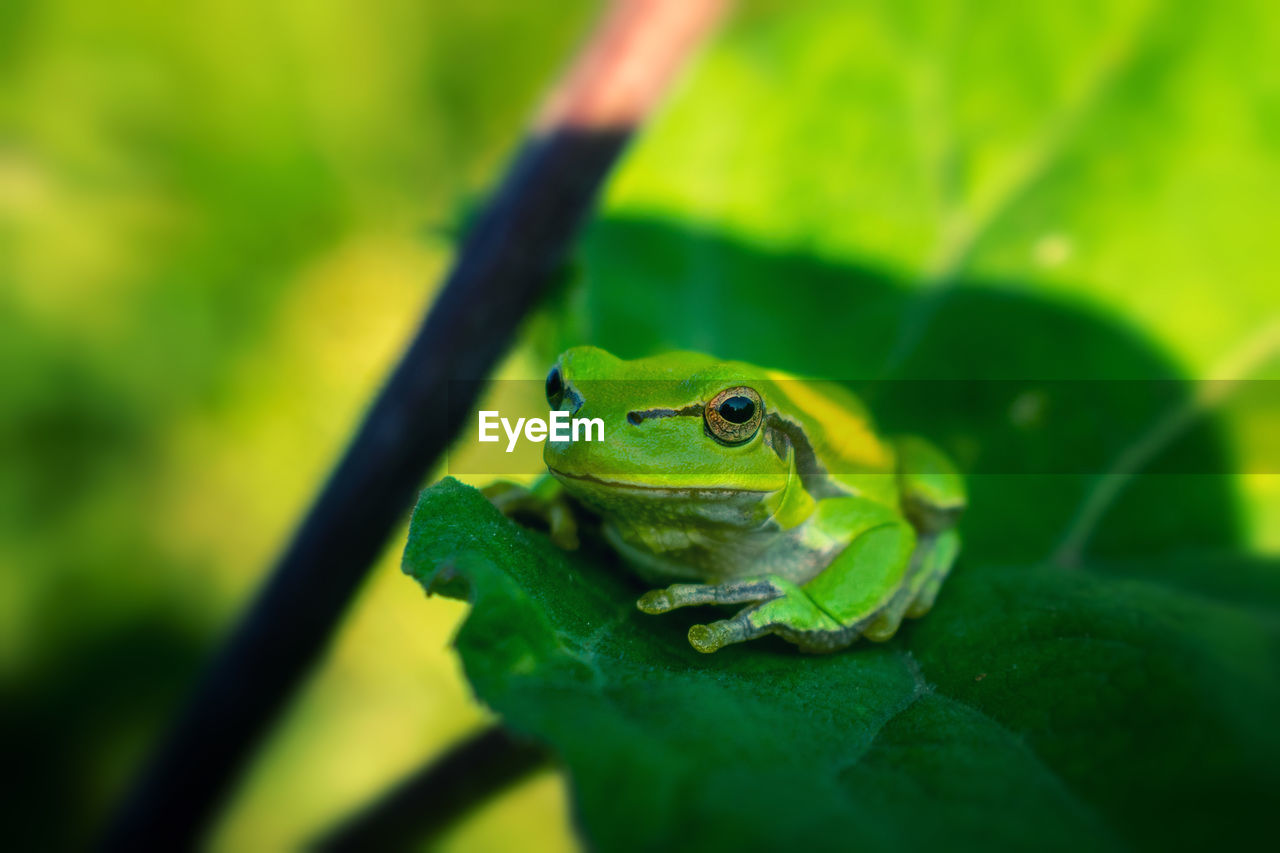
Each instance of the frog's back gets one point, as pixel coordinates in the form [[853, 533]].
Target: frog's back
[[838, 450]]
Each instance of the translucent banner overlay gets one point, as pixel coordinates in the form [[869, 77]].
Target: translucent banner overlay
[[1004, 427]]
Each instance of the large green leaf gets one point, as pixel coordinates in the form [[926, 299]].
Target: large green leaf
[[1058, 196], [1067, 707]]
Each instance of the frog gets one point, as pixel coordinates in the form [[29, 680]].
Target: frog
[[722, 483]]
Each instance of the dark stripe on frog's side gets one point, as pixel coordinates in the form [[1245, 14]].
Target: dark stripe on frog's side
[[780, 434], [813, 475]]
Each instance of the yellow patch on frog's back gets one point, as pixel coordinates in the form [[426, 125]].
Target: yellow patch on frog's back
[[837, 422]]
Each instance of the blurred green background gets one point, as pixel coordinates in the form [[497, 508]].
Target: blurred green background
[[220, 221]]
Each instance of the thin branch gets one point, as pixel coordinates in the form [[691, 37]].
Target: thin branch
[[430, 802], [515, 247]]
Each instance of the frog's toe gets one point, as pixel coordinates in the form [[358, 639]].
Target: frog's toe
[[717, 635], [655, 601], [688, 594], [924, 601], [885, 623]]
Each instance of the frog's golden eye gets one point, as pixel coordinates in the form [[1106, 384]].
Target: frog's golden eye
[[733, 416]]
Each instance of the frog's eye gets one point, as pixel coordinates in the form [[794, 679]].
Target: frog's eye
[[733, 416], [555, 387]]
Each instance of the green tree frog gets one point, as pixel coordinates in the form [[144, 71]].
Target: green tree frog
[[736, 485]]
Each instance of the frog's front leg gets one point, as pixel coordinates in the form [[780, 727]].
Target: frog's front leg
[[546, 502], [794, 615], [793, 607]]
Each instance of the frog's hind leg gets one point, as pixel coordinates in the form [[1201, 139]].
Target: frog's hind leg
[[933, 492], [938, 562], [933, 496], [930, 564], [830, 610]]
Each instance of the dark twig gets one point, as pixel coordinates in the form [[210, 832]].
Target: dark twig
[[431, 801], [515, 247]]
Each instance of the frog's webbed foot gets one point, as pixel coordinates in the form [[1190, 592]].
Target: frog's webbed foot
[[546, 503]]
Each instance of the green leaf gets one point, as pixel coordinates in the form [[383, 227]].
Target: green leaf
[[1071, 198], [1036, 703]]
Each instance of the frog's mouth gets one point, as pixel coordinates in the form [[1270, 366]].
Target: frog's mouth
[[657, 491]]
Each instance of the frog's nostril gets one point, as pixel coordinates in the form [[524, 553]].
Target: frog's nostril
[[635, 418]]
